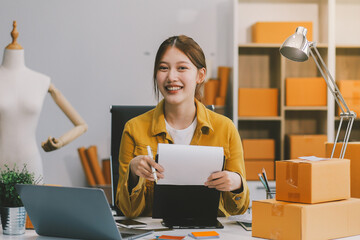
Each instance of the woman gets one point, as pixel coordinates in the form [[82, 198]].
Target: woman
[[180, 118]]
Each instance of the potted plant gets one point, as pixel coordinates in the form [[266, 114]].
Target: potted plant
[[11, 208]]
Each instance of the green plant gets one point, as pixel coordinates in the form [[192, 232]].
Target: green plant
[[8, 179]]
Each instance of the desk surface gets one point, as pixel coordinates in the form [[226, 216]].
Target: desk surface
[[230, 231]]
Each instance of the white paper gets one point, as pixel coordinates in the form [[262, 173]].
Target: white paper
[[246, 217], [188, 164], [313, 158]]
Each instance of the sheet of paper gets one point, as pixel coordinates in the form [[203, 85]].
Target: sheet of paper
[[188, 164], [247, 217], [313, 158]]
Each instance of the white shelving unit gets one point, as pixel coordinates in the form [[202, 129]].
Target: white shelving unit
[[339, 46]]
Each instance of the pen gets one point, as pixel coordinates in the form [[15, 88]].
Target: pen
[[265, 179], [152, 168], [263, 182]]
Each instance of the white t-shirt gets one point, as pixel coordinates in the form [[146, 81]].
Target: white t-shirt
[[182, 136]]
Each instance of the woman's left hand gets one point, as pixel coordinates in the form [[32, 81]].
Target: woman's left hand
[[224, 181]]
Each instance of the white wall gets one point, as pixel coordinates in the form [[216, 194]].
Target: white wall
[[100, 53]]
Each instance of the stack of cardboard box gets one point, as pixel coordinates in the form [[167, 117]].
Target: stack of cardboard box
[[312, 202], [259, 154]]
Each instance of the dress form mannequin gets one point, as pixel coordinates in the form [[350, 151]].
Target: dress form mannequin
[[22, 92]]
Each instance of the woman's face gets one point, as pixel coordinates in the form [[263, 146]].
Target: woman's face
[[177, 77]]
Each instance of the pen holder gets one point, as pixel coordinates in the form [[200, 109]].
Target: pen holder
[[270, 195]]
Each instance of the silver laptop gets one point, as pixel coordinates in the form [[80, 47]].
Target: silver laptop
[[69, 212]]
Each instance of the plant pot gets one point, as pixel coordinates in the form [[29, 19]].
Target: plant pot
[[13, 220]]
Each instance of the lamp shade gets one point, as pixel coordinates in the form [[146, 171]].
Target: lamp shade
[[296, 47]]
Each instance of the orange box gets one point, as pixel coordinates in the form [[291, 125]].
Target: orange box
[[278, 32], [272, 219], [255, 166], [352, 153], [258, 102], [349, 88], [305, 181], [353, 104], [259, 148], [306, 92], [307, 145]]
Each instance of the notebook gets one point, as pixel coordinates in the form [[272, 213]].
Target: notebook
[[69, 212]]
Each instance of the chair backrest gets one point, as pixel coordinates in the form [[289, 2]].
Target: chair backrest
[[120, 114]]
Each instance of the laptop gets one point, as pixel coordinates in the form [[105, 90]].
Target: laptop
[[70, 212]]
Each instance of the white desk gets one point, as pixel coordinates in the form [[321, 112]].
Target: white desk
[[231, 231]]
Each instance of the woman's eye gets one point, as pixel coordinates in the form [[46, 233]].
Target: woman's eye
[[163, 68], [182, 68]]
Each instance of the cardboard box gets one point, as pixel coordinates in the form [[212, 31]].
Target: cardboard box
[[255, 166], [278, 32], [305, 181], [259, 148], [272, 219], [353, 104], [306, 92], [258, 102], [352, 153], [349, 88], [307, 145]]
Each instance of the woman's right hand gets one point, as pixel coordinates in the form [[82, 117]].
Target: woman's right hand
[[141, 166]]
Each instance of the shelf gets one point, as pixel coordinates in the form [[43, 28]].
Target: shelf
[[278, 45], [348, 46], [306, 108], [337, 118], [260, 65], [277, 118], [216, 107], [260, 45]]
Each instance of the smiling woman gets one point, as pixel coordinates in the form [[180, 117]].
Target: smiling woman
[[177, 77], [180, 118], [188, 53]]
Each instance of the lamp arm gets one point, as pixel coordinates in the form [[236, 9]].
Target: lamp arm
[[330, 82]]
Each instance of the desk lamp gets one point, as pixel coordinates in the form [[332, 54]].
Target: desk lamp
[[297, 48]]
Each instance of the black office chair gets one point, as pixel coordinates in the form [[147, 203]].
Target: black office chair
[[120, 114]]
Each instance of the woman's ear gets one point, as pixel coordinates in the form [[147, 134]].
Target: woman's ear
[[201, 75]]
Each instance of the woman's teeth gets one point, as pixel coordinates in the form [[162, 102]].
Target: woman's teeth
[[173, 88]]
